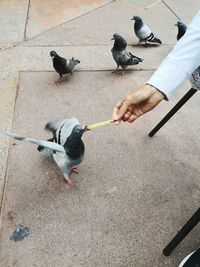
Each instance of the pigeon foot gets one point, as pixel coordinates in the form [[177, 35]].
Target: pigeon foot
[[74, 170], [58, 82], [71, 182], [115, 71], [122, 73]]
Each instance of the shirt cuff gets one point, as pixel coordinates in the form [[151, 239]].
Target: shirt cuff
[[168, 78]]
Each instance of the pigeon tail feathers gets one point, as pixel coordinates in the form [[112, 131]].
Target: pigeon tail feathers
[[135, 57]]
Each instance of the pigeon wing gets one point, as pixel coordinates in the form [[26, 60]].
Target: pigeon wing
[[43, 143], [143, 32], [64, 130], [70, 64], [123, 58], [63, 61]]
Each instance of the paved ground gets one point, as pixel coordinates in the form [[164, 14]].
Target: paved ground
[[133, 192]]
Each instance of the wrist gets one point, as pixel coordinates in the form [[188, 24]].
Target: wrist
[[155, 90]]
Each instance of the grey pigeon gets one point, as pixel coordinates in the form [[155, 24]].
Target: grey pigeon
[[121, 56], [181, 29], [195, 76], [143, 32], [62, 65], [67, 133]]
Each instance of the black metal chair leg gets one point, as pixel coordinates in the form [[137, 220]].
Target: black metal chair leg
[[187, 228], [171, 113]]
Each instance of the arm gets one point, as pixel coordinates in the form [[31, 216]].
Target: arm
[[177, 67], [171, 74]]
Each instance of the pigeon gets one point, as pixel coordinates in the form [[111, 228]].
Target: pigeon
[[143, 32], [195, 76], [62, 65], [67, 132], [181, 29], [121, 56]]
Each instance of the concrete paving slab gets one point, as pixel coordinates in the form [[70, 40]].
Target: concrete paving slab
[[7, 100], [12, 20], [184, 9], [133, 192], [43, 16], [98, 26], [91, 57]]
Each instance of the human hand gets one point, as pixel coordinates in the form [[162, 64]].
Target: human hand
[[137, 103]]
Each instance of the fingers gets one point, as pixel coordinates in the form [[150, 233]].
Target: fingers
[[126, 116], [121, 109], [115, 112], [132, 118], [136, 104]]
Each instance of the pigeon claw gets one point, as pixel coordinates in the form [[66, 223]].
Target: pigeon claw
[[115, 71], [74, 170], [71, 182], [58, 82]]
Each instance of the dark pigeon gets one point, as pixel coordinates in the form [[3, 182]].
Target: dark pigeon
[[62, 65], [143, 32], [181, 29], [67, 133], [121, 56]]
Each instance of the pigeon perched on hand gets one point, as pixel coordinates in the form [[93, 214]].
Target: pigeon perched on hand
[[143, 32], [195, 76], [121, 56], [67, 133], [62, 65], [181, 29]]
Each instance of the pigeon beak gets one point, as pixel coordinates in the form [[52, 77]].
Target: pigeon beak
[[112, 39], [85, 129], [175, 24]]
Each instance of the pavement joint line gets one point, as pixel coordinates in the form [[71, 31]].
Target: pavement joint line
[[66, 22], [2, 200], [27, 17], [100, 70], [11, 46], [171, 9], [84, 45], [153, 4]]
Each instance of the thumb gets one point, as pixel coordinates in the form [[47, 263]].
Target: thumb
[[123, 109]]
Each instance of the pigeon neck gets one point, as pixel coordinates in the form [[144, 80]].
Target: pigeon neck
[[138, 25], [57, 57], [74, 147], [181, 32], [120, 44]]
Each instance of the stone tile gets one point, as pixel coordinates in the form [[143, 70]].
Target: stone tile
[[12, 20], [98, 26], [44, 16], [184, 9], [133, 192]]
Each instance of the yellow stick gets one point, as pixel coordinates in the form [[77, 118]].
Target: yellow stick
[[98, 124]]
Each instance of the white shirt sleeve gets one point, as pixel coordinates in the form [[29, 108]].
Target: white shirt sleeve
[[180, 63]]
